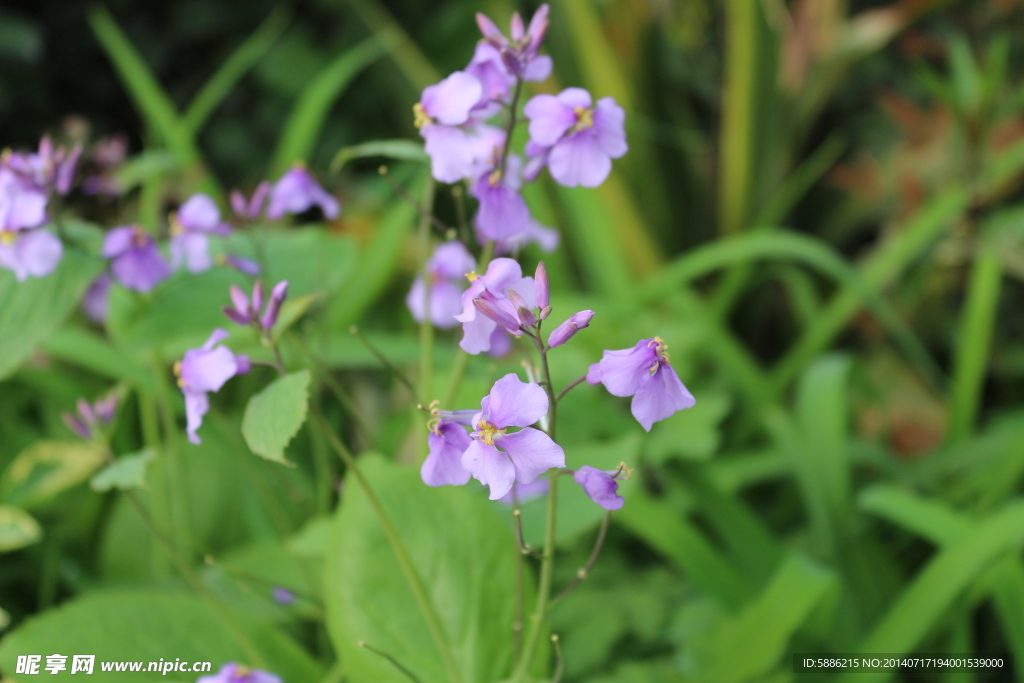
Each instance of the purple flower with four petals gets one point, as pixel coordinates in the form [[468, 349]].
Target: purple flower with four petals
[[502, 275], [29, 253], [137, 262], [191, 227], [643, 372], [443, 118], [519, 55], [203, 370], [296, 192], [497, 458], [446, 269]]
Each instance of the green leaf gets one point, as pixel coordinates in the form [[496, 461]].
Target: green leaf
[[17, 529], [147, 627], [291, 311], [31, 311], [307, 119], [274, 415], [127, 472], [47, 468], [451, 533], [401, 149]]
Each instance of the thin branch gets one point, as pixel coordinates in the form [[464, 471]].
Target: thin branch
[[524, 547], [570, 387], [394, 662], [559, 662], [591, 561], [420, 209], [383, 359]]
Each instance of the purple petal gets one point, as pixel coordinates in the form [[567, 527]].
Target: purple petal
[[94, 302], [22, 204], [277, 297], [489, 29], [476, 334], [76, 425], [550, 118], [498, 314], [445, 304], [200, 213], [141, 268], [527, 492], [532, 451], [296, 192], [242, 265], [575, 98], [240, 300], [257, 296], [662, 395], [515, 403], [579, 160], [196, 405], [503, 212], [452, 152], [600, 486], [117, 241], [218, 335], [259, 196], [243, 364], [192, 248], [35, 253], [500, 343], [238, 202], [443, 465], [609, 126], [538, 69], [451, 260], [566, 330], [488, 68], [490, 467], [623, 372], [541, 286], [203, 371], [449, 101]]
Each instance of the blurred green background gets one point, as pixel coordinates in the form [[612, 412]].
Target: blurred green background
[[821, 212]]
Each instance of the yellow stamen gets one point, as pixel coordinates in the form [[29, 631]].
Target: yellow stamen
[[486, 432], [420, 118], [7, 237], [661, 350], [176, 227], [495, 178], [584, 118], [472, 276], [624, 471]]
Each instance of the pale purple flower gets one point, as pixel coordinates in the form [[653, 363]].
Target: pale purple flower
[[250, 209], [29, 253], [443, 117], [90, 415], [643, 372], [282, 596], [96, 298], [136, 261], [246, 311], [443, 467], [191, 227], [524, 493], [575, 140], [602, 486], [242, 265], [497, 458], [446, 268], [503, 214], [22, 202], [502, 275], [501, 343], [236, 673], [566, 330], [544, 237], [51, 168], [488, 67], [296, 192], [203, 370], [519, 51]]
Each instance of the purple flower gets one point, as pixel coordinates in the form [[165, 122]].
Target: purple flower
[[443, 466], [242, 265], [236, 673], [250, 209], [246, 311], [96, 298], [296, 191], [566, 330], [137, 262], [203, 370], [29, 253], [503, 214], [51, 168], [502, 275], [643, 372], [523, 455], [191, 226], [443, 117], [544, 237], [526, 492], [22, 203], [519, 55], [488, 67], [90, 415], [602, 486], [446, 268], [282, 596], [576, 141]]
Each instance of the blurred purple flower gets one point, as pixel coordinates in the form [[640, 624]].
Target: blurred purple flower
[[90, 415], [526, 492], [95, 300], [136, 261], [29, 253], [242, 265], [544, 237], [51, 168], [602, 486], [191, 226], [443, 467], [236, 673], [502, 275], [446, 269], [296, 192], [519, 55], [566, 330], [643, 372], [576, 141], [246, 311], [250, 209], [22, 203], [282, 596], [525, 454], [443, 117], [203, 370]]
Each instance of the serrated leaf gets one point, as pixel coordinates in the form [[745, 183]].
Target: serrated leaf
[[17, 529], [47, 468], [127, 472], [274, 415]]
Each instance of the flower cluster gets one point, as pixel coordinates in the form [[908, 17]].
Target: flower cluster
[[236, 673], [91, 416]]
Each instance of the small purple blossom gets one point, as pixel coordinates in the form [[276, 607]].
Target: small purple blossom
[[566, 330], [236, 673], [502, 275], [246, 311], [601, 485], [447, 442], [90, 415], [544, 237], [252, 208], [296, 192], [523, 455], [22, 203], [191, 227], [519, 55], [446, 269], [203, 370], [645, 373], [242, 265], [282, 596], [29, 253], [51, 168], [136, 261], [503, 214], [96, 298], [443, 117], [575, 140]]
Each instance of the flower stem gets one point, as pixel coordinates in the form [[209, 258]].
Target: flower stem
[[584, 571], [426, 375], [569, 388], [401, 554], [511, 125]]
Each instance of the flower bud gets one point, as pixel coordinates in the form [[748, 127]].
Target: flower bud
[[545, 312], [240, 300], [526, 316], [497, 315], [257, 296], [105, 408], [76, 425], [566, 330], [238, 202], [277, 296], [542, 291]]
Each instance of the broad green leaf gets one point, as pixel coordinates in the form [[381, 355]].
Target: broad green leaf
[[32, 310], [465, 555], [400, 149], [127, 472], [147, 627], [48, 468], [274, 415], [17, 529]]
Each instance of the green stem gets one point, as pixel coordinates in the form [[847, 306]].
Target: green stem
[[175, 462], [401, 554], [426, 375], [158, 493]]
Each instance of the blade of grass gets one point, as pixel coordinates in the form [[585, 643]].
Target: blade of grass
[[307, 118], [231, 71], [411, 61]]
